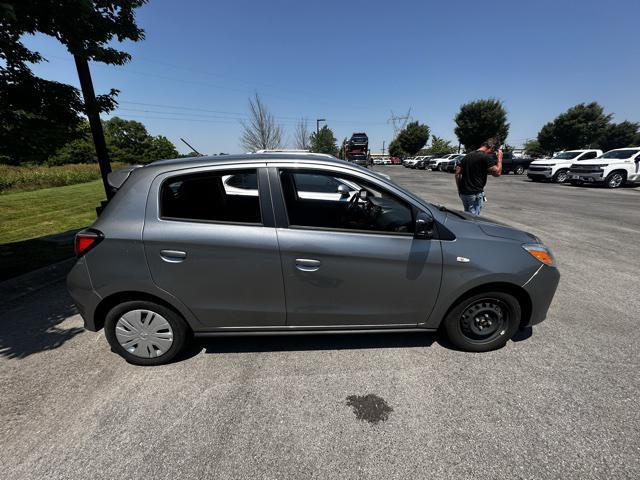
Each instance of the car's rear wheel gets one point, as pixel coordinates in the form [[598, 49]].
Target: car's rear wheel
[[483, 322], [615, 179], [145, 333], [561, 176]]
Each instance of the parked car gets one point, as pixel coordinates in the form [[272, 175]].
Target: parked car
[[423, 163], [556, 169], [614, 168], [395, 161], [406, 162], [518, 166], [411, 162], [438, 163], [453, 163], [175, 254]]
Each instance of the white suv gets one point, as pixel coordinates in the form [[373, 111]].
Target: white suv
[[557, 168], [614, 168], [440, 163]]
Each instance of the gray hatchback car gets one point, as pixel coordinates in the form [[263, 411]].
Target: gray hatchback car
[[275, 243]]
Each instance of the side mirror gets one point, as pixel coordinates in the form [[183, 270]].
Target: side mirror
[[343, 190], [424, 226]]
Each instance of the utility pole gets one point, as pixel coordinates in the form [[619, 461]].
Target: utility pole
[[318, 120], [91, 109], [383, 148]]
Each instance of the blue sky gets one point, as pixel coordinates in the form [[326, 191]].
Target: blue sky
[[355, 62]]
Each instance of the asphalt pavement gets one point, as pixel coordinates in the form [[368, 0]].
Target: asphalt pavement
[[562, 401]]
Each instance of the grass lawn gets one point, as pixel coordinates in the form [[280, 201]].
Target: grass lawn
[[27, 216]]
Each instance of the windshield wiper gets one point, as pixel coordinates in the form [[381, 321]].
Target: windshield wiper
[[442, 208]]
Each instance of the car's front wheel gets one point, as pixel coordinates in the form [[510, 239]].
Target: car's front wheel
[[483, 322], [615, 179], [519, 170], [145, 333], [561, 176]]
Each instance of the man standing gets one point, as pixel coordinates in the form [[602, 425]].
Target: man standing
[[472, 171]]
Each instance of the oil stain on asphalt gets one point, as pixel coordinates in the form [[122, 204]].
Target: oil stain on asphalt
[[370, 408]]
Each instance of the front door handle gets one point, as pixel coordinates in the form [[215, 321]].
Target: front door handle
[[173, 256], [307, 264]]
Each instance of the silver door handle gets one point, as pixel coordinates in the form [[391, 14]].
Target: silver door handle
[[173, 256], [307, 264]]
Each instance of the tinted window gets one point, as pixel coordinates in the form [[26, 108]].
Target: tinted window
[[203, 197], [369, 207], [620, 154], [248, 181], [589, 155], [309, 182], [567, 155]]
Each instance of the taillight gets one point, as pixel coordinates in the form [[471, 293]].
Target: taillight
[[86, 240]]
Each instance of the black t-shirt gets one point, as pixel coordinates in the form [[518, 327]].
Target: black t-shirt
[[474, 172]]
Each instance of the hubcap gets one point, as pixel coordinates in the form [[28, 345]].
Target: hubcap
[[616, 180], [484, 320], [144, 333], [562, 177]]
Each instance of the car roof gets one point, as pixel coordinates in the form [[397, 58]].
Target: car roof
[[248, 157]]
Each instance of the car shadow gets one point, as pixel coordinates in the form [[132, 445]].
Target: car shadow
[[311, 342], [34, 327]]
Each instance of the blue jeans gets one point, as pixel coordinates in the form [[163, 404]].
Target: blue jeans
[[472, 203]]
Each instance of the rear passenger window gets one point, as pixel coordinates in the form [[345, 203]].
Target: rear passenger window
[[220, 196], [589, 155]]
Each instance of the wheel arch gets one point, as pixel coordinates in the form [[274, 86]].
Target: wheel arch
[[107, 303], [518, 292]]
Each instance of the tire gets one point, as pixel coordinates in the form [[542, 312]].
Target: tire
[[483, 322], [146, 335], [519, 170], [615, 179], [561, 176]]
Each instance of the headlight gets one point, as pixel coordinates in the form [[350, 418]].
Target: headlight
[[541, 252]]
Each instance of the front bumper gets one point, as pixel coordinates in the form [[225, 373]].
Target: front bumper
[[586, 177], [539, 173], [541, 288]]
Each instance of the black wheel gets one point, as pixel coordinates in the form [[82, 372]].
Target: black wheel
[[561, 176], [520, 170], [145, 333], [615, 179], [483, 322]]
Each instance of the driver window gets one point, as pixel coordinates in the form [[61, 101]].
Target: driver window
[[588, 156], [320, 199]]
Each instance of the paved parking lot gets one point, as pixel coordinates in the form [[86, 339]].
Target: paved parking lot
[[563, 403]]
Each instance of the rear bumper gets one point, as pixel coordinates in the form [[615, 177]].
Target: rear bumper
[[541, 288], [83, 294]]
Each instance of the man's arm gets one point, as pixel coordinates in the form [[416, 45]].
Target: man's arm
[[458, 175], [496, 170]]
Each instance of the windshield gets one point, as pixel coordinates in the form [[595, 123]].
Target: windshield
[[620, 154], [567, 155]]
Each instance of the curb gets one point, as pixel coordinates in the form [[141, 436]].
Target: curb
[[18, 287]]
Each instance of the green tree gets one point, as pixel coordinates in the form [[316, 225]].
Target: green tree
[[39, 116], [395, 150], [324, 142], [160, 148], [480, 120], [618, 135], [440, 147], [581, 126], [413, 137], [533, 149]]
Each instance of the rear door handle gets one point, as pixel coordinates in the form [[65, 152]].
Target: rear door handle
[[173, 256], [307, 264]]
